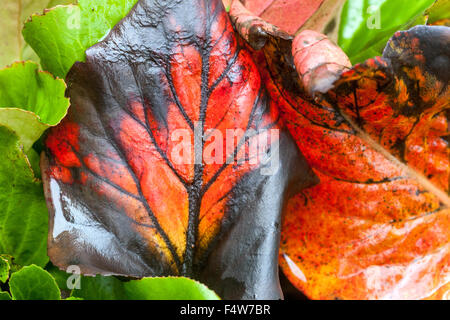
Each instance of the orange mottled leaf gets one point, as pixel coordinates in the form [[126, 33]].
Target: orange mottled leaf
[[378, 224]]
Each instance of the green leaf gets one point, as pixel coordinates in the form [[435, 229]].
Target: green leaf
[[53, 3], [4, 296], [61, 35], [33, 283], [74, 298], [23, 212], [170, 288], [4, 270], [13, 14], [366, 25], [60, 276], [439, 11], [13, 266], [30, 101], [100, 288], [377, 47]]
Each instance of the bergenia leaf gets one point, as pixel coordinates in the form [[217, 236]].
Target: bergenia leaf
[[30, 101], [33, 283], [139, 178], [168, 288], [4, 270], [4, 296], [99, 288], [13, 14], [61, 35], [23, 213], [377, 226]]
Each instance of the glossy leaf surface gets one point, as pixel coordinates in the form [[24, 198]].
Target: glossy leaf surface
[[127, 195]]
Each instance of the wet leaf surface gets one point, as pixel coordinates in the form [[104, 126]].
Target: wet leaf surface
[[124, 201]]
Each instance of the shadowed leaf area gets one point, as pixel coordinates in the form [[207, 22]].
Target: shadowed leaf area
[[23, 213]]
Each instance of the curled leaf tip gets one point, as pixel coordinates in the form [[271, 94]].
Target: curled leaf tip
[[252, 28], [318, 60]]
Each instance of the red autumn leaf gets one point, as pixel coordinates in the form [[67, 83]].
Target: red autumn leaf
[[129, 195], [294, 15], [384, 232], [377, 226]]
